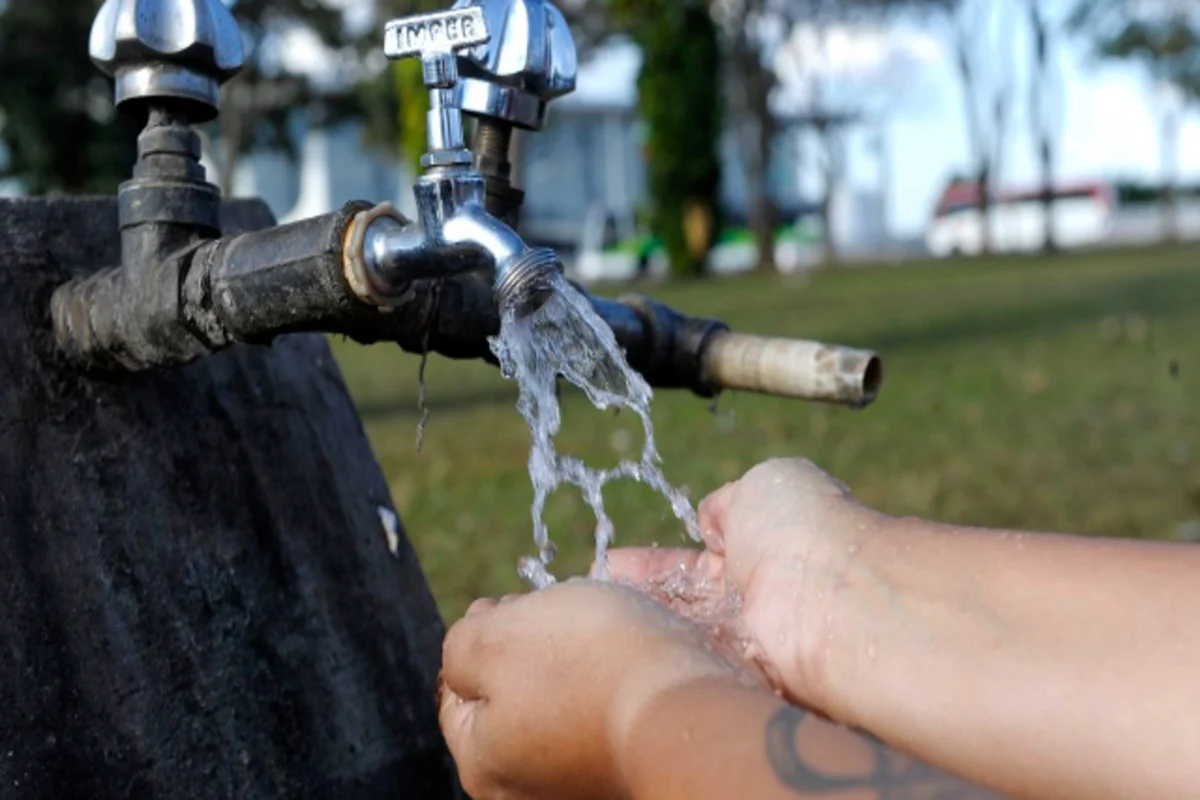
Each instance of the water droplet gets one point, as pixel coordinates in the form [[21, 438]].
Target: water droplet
[[534, 573], [872, 652], [852, 549]]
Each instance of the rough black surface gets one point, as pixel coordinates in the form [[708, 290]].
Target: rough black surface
[[196, 595]]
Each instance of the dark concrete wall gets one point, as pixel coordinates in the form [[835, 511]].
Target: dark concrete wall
[[197, 598]]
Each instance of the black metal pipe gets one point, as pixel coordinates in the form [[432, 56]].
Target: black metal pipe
[[454, 318], [128, 316], [118, 319], [255, 286]]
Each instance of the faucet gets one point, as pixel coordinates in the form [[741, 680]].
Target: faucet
[[455, 232], [183, 291]]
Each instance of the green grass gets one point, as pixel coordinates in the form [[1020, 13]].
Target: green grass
[[1060, 395]]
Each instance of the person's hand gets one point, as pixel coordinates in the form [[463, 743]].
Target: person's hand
[[539, 691], [775, 543]]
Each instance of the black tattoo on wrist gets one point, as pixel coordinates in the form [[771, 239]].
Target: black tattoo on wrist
[[893, 776]]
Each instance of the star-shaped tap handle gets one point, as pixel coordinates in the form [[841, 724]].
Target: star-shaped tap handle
[[167, 51], [435, 39]]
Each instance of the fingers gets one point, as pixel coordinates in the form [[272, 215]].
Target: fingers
[[713, 515], [466, 652], [462, 656], [687, 581], [640, 566], [481, 605], [461, 724], [456, 716]]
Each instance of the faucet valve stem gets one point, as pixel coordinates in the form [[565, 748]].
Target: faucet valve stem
[[435, 39]]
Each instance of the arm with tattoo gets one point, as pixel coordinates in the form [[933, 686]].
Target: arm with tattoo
[[890, 775], [724, 741]]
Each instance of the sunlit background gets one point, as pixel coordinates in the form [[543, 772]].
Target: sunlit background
[[887, 172]]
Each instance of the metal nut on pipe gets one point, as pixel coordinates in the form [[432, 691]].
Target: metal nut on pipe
[[793, 368]]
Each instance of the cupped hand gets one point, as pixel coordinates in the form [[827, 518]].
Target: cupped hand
[[539, 691], [775, 543]]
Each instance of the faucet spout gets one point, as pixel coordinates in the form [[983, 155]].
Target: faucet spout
[[454, 234], [473, 227], [522, 274]]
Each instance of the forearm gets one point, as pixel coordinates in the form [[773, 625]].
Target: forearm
[[717, 739], [1045, 666]]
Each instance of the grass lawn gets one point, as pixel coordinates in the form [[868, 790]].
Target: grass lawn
[[1047, 395]]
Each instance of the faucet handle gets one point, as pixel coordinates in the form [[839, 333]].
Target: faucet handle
[[529, 62], [167, 50], [435, 38]]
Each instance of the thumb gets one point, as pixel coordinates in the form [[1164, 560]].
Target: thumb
[[457, 718], [713, 515], [464, 654]]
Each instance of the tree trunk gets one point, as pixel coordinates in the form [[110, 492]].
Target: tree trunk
[[230, 153], [200, 599], [1170, 153], [761, 206], [985, 208], [227, 170], [1046, 156], [1042, 130], [829, 253], [762, 223], [830, 180], [238, 119]]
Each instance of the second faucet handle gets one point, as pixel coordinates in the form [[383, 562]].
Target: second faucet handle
[[436, 38]]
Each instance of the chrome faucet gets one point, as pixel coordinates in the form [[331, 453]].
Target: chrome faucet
[[455, 231]]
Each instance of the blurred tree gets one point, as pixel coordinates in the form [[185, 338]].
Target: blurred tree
[[984, 36], [754, 34], [55, 107], [679, 102], [591, 21], [751, 31], [1045, 109], [1164, 37], [257, 105], [829, 100]]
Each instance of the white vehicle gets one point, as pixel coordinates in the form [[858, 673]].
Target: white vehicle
[[1083, 215]]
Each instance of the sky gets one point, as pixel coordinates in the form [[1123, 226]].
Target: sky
[[1108, 114]]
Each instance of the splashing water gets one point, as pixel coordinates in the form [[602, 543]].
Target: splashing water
[[566, 337]]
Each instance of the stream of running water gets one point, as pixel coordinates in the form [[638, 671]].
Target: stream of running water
[[567, 338]]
